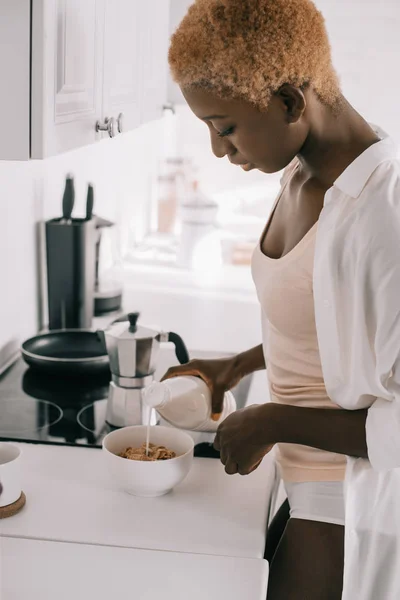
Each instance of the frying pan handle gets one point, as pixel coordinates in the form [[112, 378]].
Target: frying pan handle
[[181, 351]]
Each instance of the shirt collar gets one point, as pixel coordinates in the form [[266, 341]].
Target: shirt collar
[[354, 178]]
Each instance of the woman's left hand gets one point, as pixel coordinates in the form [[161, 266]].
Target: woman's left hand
[[244, 438]]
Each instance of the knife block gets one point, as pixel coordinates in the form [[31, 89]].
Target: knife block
[[70, 258]]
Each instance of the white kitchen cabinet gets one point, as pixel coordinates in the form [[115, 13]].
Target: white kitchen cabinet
[[67, 40], [135, 61], [15, 78], [154, 49], [122, 60], [78, 64]]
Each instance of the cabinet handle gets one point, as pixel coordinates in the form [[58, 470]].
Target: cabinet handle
[[108, 125], [120, 122]]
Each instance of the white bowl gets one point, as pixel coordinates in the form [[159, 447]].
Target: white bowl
[[148, 478]]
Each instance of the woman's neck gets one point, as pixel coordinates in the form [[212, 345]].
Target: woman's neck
[[334, 141]]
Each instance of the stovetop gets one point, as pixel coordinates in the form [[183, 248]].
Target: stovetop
[[44, 408], [47, 409]]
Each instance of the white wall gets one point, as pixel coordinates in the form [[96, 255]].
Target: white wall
[[365, 41], [121, 171]]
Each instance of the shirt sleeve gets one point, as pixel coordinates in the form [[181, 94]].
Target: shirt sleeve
[[383, 321]]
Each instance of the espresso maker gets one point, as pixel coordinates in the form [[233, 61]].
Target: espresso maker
[[133, 351]]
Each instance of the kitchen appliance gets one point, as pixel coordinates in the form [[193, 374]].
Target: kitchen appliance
[[133, 352], [107, 285], [70, 257], [53, 408], [69, 352]]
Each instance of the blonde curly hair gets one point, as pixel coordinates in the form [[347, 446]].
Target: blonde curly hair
[[247, 49]]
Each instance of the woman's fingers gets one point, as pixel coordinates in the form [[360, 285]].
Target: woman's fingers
[[217, 444], [210, 375], [246, 469], [187, 369], [231, 467], [217, 402], [224, 457], [255, 466]]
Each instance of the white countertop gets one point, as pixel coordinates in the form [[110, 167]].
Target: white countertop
[[39, 570], [70, 498]]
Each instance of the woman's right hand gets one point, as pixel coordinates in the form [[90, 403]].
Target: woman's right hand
[[221, 375]]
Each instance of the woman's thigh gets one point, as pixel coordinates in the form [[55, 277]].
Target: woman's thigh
[[308, 563], [276, 530]]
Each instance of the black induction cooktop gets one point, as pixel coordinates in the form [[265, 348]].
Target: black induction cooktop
[[49, 409], [43, 408]]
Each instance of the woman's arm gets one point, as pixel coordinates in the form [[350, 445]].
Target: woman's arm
[[221, 374], [340, 431], [250, 361], [247, 435]]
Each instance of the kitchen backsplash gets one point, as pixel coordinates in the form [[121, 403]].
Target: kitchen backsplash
[[30, 192]]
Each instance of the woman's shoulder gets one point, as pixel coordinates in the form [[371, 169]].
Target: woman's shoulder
[[365, 228], [376, 222], [380, 198]]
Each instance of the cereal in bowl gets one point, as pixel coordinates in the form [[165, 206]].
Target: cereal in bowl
[[155, 453]]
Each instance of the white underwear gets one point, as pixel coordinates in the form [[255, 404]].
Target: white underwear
[[316, 501]]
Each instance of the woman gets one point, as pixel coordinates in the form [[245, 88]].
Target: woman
[[258, 73]]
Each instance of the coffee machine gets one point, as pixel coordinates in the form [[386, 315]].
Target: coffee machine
[[133, 351]]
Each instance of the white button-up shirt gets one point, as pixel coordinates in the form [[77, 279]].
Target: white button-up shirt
[[357, 311]]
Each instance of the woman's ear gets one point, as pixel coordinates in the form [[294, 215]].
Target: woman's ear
[[293, 102]]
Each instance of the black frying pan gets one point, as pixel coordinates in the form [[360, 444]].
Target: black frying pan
[[68, 351]]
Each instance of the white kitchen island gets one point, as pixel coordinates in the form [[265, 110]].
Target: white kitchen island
[[211, 522]]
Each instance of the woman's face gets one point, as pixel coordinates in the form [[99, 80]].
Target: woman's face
[[267, 141]]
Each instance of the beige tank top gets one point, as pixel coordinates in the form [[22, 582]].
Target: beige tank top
[[285, 291]]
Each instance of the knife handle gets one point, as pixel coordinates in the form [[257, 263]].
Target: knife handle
[[68, 198], [89, 202]]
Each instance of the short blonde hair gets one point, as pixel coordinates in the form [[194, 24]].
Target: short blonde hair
[[247, 49]]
